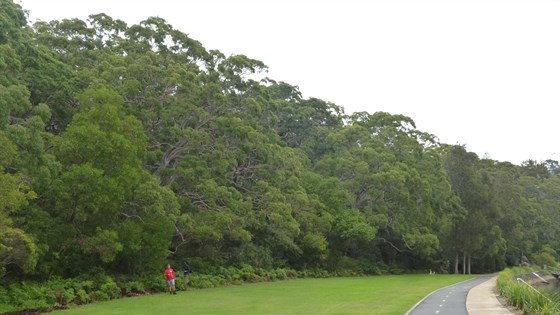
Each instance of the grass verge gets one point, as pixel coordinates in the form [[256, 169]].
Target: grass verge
[[525, 297]]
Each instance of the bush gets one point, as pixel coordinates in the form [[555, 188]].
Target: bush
[[231, 275], [111, 289], [314, 273], [5, 308], [34, 304], [28, 296], [68, 296], [82, 297], [546, 257], [377, 270], [98, 280], [292, 274], [397, 271], [134, 287], [200, 281], [86, 286], [278, 274], [62, 294], [347, 273], [154, 283], [249, 274], [98, 296], [4, 299]]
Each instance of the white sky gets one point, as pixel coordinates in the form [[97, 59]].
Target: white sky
[[484, 73]]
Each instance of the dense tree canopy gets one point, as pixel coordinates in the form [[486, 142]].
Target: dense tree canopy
[[126, 146]]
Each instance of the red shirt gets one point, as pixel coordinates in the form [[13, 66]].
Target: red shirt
[[169, 274]]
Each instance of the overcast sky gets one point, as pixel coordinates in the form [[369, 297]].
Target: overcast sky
[[483, 73]]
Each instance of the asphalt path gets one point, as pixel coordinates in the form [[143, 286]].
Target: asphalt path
[[450, 300]]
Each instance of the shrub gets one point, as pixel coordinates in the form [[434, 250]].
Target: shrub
[[376, 270], [62, 291], [347, 273], [4, 296], [111, 289], [98, 296], [28, 296], [34, 304], [67, 297], [249, 274], [200, 281], [231, 275], [82, 297], [85, 285], [279, 274], [546, 257], [155, 283], [397, 271], [292, 274], [5, 308], [314, 273], [181, 284], [134, 287]]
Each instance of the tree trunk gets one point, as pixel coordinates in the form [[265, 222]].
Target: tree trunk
[[464, 263], [456, 263], [469, 269]]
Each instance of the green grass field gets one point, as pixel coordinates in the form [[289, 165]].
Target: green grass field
[[360, 295]]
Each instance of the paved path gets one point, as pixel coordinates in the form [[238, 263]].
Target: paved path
[[452, 299], [482, 300]]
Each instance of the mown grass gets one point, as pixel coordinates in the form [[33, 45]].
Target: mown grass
[[359, 295]]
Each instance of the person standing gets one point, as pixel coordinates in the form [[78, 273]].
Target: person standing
[[187, 269], [170, 278]]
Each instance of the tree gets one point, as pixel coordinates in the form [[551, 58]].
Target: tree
[[462, 172], [17, 248], [111, 209]]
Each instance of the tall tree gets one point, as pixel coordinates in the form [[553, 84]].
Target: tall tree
[[108, 208]]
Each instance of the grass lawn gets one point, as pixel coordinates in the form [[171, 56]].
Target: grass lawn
[[360, 295]]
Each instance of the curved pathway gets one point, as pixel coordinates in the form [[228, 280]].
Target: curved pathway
[[449, 300]]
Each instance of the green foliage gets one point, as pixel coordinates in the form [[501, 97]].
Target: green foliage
[[111, 289], [154, 282], [98, 296], [82, 297], [236, 276], [126, 147], [523, 296], [29, 296], [16, 246], [90, 287], [134, 287], [546, 257], [205, 281]]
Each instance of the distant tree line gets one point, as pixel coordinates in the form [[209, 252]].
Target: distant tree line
[[123, 147]]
